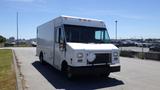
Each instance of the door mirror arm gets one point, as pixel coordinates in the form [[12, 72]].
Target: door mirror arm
[[62, 46]]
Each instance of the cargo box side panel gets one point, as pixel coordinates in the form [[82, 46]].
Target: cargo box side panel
[[45, 41]]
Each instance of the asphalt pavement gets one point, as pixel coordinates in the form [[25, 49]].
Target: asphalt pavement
[[136, 74]]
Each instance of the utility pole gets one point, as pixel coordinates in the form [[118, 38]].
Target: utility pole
[[116, 29], [17, 31], [142, 49]]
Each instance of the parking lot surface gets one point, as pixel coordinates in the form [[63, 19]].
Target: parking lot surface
[[136, 74]]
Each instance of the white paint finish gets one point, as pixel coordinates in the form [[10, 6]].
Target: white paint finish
[[45, 39], [87, 49], [79, 21], [65, 16], [92, 46], [51, 50]]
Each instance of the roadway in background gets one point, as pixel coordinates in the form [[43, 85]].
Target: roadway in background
[[136, 49]]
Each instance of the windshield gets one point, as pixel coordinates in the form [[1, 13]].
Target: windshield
[[83, 34]]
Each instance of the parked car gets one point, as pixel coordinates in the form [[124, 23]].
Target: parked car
[[127, 43], [116, 42], [155, 48]]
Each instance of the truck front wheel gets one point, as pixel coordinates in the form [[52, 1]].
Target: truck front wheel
[[41, 58], [106, 73], [66, 70], [69, 73]]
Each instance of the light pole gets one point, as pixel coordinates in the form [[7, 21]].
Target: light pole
[[142, 48], [17, 30], [116, 29]]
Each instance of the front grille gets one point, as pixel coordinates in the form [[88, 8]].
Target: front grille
[[102, 58]]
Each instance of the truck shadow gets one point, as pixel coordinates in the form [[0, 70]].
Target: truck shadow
[[59, 81]]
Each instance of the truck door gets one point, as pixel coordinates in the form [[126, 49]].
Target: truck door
[[59, 47]]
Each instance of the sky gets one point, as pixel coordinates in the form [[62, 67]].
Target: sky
[[136, 18]]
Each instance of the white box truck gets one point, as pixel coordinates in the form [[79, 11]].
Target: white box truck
[[77, 45]]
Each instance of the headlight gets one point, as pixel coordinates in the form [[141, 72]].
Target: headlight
[[91, 57], [80, 55], [115, 54]]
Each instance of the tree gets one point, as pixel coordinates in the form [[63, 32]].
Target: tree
[[2, 39]]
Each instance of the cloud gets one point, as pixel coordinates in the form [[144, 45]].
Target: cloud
[[26, 5], [21, 0], [25, 1], [114, 13]]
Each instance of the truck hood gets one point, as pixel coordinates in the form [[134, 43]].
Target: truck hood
[[92, 46]]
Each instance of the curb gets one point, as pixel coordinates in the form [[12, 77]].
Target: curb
[[17, 71]]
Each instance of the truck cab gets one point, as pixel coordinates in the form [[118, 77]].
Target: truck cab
[[78, 46]]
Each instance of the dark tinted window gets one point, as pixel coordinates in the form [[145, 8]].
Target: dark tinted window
[[86, 34]]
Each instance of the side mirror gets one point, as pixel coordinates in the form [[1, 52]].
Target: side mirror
[[62, 46]]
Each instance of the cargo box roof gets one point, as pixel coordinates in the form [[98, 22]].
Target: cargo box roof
[[71, 20], [78, 21]]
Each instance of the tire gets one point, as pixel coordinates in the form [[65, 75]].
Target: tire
[[41, 58], [69, 74], [66, 70], [105, 75]]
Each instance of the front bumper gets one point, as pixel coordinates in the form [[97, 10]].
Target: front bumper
[[98, 69], [115, 68]]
